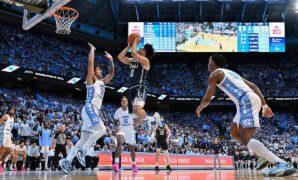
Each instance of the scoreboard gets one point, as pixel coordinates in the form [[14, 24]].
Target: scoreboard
[[261, 37], [211, 36]]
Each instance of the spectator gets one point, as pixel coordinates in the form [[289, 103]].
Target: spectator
[[60, 139], [33, 154]]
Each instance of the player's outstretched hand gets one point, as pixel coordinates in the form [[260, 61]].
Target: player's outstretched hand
[[267, 112], [199, 110], [91, 46], [108, 56], [137, 39]]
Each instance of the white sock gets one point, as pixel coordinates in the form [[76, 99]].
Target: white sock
[[84, 138], [46, 158], [133, 162], [259, 148], [116, 160]]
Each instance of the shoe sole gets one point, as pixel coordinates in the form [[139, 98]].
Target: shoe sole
[[289, 172], [266, 164], [64, 170]]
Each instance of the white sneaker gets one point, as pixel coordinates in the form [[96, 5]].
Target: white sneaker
[[95, 169], [88, 169], [28, 169], [11, 168]]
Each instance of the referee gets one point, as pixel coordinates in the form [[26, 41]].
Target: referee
[[216, 148]]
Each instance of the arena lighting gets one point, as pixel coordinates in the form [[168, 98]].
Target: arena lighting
[[162, 97], [74, 80], [10, 68], [122, 89]]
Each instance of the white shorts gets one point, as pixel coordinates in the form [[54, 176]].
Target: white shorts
[[6, 141], [248, 111], [129, 136], [139, 102], [91, 120], [45, 149]]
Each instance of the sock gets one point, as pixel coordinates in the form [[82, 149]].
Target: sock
[[116, 160], [133, 162], [259, 148], [46, 159]]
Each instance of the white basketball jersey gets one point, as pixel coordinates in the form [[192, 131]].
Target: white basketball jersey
[[233, 85], [8, 124], [125, 121], [95, 94]]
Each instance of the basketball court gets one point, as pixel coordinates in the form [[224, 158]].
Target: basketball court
[[144, 175]]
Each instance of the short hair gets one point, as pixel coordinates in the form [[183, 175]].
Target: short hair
[[219, 60], [21, 141], [124, 97], [149, 51]]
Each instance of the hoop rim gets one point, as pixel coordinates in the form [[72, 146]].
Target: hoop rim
[[69, 9]]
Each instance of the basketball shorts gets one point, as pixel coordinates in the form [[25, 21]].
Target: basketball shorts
[[91, 120], [6, 141], [137, 96], [163, 145], [129, 136], [248, 111], [45, 149]]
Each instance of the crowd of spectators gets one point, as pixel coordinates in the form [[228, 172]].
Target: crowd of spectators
[[189, 135], [43, 53]]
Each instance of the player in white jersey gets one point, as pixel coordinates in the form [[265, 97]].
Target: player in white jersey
[[249, 101], [6, 145], [93, 127], [126, 134]]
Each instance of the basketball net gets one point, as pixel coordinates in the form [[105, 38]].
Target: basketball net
[[64, 17]]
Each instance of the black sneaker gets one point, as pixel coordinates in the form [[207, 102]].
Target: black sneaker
[[156, 168], [169, 168]]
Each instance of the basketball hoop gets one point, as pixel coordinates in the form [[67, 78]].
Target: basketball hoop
[[64, 17]]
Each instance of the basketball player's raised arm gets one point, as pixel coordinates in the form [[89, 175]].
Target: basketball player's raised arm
[[90, 68], [3, 119], [122, 56], [111, 69], [212, 81], [266, 110], [134, 53]]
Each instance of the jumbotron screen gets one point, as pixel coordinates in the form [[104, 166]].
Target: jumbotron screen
[[211, 36]]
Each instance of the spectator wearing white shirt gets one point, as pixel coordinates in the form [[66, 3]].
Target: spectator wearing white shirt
[[33, 156], [24, 131], [20, 151]]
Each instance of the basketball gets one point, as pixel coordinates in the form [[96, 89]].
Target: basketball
[[131, 38]]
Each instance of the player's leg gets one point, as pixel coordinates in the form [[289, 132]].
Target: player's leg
[[166, 152], [46, 157], [120, 140], [133, 158], [247, 131], [13, 157], [157, 157], [98, 131], [24, 157]]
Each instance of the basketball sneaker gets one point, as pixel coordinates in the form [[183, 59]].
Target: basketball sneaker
[[156, 168], [116, 167], [134, 168], [81, 153], [1, 168], [65, 165], [280, 169], [262, 163], [169, 168]]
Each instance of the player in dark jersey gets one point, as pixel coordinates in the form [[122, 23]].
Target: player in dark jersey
[[162, 133], [139, 66]]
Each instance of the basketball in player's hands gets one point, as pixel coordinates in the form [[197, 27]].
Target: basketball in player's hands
[[132, 37]]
